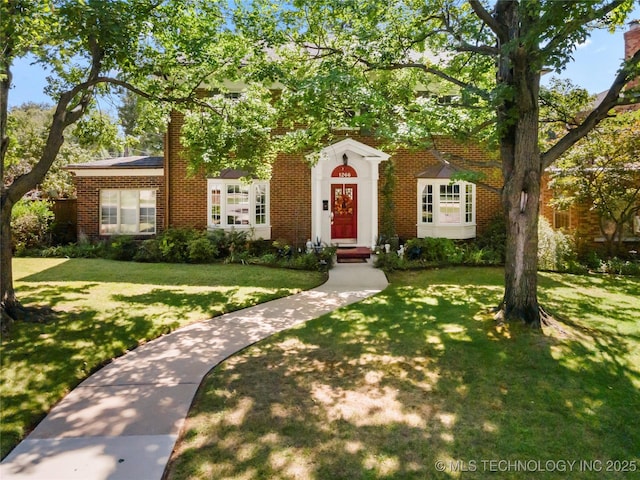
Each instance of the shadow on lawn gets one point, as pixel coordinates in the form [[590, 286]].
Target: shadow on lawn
[[48, 360], [210, 303], [413, 376]]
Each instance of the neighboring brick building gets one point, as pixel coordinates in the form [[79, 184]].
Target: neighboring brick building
[[581, 219]]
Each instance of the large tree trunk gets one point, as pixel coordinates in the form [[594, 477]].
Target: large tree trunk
[[520, 200], [518, 118]]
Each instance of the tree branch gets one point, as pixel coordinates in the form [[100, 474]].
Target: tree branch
[[488, 20], [442, 158], [598, 114]]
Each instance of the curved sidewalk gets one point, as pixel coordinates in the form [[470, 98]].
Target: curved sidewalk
[[122, 422]]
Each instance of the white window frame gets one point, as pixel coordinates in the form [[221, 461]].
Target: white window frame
[[437, 224], [261, 230], [118, 206]]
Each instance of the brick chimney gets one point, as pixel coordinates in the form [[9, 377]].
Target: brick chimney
[[631, 46], [632, 39]]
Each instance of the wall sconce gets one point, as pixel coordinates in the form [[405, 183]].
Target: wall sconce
[[345, 159]]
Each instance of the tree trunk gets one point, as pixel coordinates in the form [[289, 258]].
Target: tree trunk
[[518, 117], [520, 200], [8, 301]]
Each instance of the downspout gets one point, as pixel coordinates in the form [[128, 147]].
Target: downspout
[[167, 176]]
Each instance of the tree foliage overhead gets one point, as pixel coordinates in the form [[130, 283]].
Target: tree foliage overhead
[[161, 50], [485, 57], [335, 56], [94, 136]]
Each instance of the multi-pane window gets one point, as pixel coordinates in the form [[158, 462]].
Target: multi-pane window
[[147, 222], [261, 204], [561, 219], [215, 215], [238, 204], [233, 203], [449, 203], [427, 204], [127, 212], [468, 203], [445, 203]]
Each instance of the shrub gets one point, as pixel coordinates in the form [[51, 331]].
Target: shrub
[[391, 261], [472, 255], [493, 240], [122, 248], [219, 240], [148, 251], [268, 259], [238, 246], [555, 249], [174, 244], [202, 250], [438, 250], [83, 249], [260, 247], [620, 266], [325, 258], [30, 224], [304, 261]]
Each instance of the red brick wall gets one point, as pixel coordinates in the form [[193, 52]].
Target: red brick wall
[[88, 193], [291, 200], [187, 199], [409, 163], [291, 189]]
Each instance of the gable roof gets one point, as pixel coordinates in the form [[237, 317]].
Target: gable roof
[[351, 145]]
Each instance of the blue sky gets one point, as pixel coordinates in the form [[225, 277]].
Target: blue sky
[[594, 67]]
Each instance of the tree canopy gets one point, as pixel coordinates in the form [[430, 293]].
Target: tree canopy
[[486, 58], [162, 50], [474, 65]]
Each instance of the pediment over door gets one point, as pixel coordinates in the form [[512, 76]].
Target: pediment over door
[[349, 146]]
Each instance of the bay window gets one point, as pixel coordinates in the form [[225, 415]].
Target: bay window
[[446, 209], [238, 205]]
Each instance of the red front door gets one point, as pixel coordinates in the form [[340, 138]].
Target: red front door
[[344, 210]]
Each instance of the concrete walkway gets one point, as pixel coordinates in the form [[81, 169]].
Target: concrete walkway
[[123, 422]]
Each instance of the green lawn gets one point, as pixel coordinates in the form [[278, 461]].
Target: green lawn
[[421, 374], [105, 308]]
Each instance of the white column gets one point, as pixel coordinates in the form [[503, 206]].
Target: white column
[[316, 201], [374, 162]]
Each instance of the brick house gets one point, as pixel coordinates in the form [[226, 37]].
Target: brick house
[[338, 200]]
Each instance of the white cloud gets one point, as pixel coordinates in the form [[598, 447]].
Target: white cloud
[[586, 43]]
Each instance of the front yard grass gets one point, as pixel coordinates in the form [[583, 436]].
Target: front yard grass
[[421, 374], [105, 308]]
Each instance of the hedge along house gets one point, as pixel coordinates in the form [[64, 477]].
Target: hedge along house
[[338, 200]]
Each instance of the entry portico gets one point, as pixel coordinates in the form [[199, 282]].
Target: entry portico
[[344, 197]]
